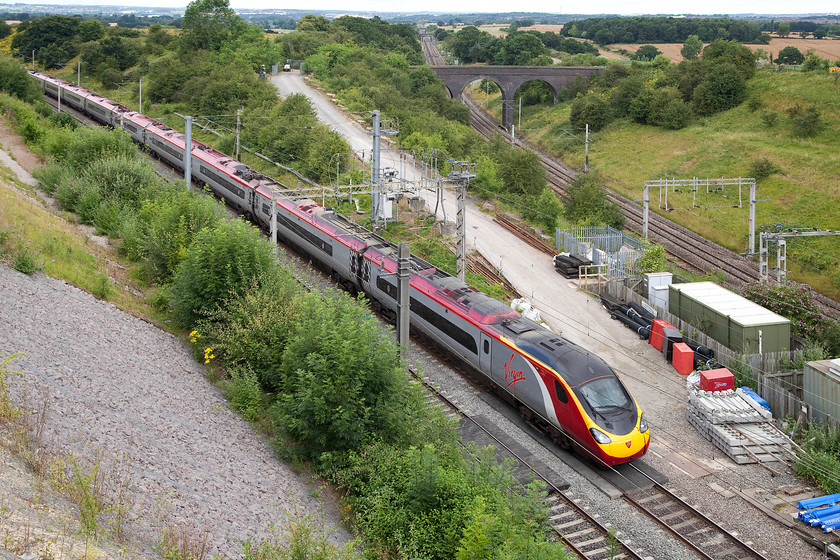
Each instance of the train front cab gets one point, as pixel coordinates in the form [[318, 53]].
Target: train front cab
[[616, 426]]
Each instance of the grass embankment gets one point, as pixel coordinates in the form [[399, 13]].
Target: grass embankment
[[805, 191]]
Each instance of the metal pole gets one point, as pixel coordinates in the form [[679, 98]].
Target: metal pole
[[375, 192], [586, 151], [274, 226], [141, 96], [519, 125], [751, 246], [462, 232], [59, 98], [646, 201], [512, 135], [33, 59], [238, 127], [79, 73], [188, 150], [404, 292]]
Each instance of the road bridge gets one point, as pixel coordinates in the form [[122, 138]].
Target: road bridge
[[510, 78]]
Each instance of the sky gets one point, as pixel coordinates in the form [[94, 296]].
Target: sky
[[623, 7]]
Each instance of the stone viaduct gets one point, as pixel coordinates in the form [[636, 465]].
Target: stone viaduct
[[509, 79]]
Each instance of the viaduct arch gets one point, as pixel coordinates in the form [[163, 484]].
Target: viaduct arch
[[509, 79]]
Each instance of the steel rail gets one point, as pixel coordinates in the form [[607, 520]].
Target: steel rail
[[582, 537]]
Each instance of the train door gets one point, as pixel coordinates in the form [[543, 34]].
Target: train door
[[252, 204], [484, 352]]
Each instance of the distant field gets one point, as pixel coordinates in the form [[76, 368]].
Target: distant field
[[826, 48], [500, 30]]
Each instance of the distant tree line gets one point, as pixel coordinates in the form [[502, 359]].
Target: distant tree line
[[605, 31], [471, 45]]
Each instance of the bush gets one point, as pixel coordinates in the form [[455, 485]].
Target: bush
[[243, 393], [545, 209], [592, 109], [64, 119], [222, 263], [251, 331], [431, 503], [805, 122], [754, 103], [821, 460], [808, 318], [769, 118], [51, 176], [341, 381], [588, 204], [723, 88], [79, 148], [815, 63], [168, 224], [15, 80], [26, 260], [762, 168], [652, 259]]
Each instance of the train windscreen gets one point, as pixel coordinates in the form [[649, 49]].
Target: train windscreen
[[609, 404]]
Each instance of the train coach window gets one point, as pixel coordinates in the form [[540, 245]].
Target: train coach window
[[486, 346], [562, 395]]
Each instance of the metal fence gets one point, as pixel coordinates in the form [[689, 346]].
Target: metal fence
[[603, 245]]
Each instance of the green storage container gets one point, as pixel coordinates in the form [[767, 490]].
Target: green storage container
[[732, 320]]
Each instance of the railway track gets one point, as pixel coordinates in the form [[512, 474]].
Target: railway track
[[525, 236], [693, 251], [698, 532], [580, 531], [430, 51]]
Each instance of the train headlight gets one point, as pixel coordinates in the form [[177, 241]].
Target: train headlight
[[600, 436], [643, 425]]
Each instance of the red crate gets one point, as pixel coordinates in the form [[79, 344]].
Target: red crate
[[683, 358], [717, 380], [656, 328]]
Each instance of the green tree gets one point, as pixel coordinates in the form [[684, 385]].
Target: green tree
[[604, 37], [819, 33], [208, 24], [646, 53], [588, 204], [691, 48], [313, 23], [5, 29], [722, 89], [784, 29], [51, 38], [719, 52], [592, 109], [790, 55], [91, 30], [14, 80], [521, 173]]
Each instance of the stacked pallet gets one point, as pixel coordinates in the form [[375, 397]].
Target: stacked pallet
[[569, 265], [737, 425]]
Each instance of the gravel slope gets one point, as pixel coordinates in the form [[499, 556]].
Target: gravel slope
[[118, 385]]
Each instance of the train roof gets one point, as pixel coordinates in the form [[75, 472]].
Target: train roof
[[576, 365]]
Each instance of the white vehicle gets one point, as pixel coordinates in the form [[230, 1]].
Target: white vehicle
[[287, 68]]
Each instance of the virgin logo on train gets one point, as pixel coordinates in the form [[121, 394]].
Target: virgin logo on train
[[512, 375]]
